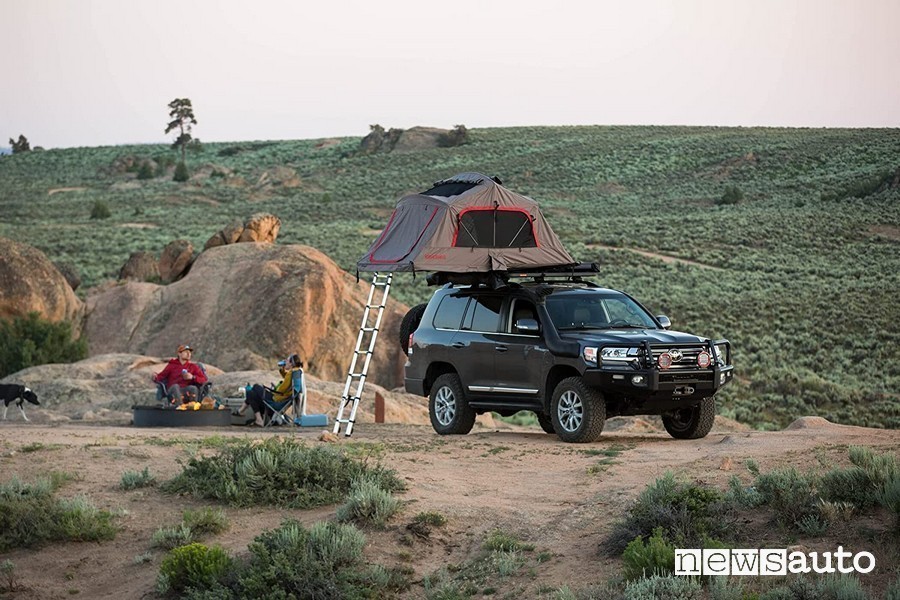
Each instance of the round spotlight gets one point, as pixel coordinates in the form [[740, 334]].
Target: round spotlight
[[665, 360], [703, 360]]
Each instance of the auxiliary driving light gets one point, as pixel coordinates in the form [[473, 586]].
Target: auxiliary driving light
[[703, 360], [637, 380], [665, 360]]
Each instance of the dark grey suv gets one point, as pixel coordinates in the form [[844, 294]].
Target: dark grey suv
[[570, 351]]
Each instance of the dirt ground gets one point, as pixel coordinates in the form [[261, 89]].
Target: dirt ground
[[562, 498]]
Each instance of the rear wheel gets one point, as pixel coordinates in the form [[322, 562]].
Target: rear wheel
[[448, 409], [578, 411], [546, 422], [409, 324], [691, 423]]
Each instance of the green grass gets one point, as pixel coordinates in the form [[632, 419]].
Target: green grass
[[803, 267]]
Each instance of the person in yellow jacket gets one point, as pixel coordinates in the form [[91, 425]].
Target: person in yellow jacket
[[259, 394]]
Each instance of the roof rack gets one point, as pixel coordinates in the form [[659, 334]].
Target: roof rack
[[497, 279], [565, 272]]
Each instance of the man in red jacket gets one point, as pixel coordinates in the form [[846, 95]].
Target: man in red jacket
[[181, 378]]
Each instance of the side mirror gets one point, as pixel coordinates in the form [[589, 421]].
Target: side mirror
[[528, 326], [664, 321]]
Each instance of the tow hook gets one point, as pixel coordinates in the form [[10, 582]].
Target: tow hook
[[684, 390]]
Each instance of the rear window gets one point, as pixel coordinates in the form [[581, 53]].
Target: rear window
[[450, 312], [484, 314]]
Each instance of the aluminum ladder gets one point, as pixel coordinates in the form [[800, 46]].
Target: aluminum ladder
[[366, 339]]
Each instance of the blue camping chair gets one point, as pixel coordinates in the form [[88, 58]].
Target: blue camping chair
[[294, 403], [162, 394], [297, 406]]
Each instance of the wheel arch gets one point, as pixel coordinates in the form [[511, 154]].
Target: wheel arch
[[435, 370], [554, 376]]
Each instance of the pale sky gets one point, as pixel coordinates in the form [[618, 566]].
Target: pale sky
[[101, 72]]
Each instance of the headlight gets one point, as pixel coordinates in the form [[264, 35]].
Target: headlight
[[613, 354], [589, 355], [721, 353]]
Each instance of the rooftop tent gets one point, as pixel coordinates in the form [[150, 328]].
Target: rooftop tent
[[465, 224]]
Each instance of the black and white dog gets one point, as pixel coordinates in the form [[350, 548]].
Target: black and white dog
[[11, 392]]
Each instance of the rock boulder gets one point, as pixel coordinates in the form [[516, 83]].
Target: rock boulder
[[175, 259], [244, 306], [30, 283], [261, 227], [140, 266]]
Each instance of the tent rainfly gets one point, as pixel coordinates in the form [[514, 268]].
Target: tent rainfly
[[468, 223]]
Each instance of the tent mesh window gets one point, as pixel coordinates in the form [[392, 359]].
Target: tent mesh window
[[495, 229], [450, 188]]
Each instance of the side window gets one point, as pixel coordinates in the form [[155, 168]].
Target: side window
[[484, 313], [521, 309], [450, 312]]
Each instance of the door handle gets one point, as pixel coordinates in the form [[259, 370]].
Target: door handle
[[458, 345], [501, 348]]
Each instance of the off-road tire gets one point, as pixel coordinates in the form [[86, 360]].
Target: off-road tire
[[448, 408], [546, 422], [578, 411], [409, 324], [691, 423]]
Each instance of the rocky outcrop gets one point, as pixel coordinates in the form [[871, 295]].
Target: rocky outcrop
[[29, 282], [70, 272], [140, 266], [262, 227], [244, 306], [103, 388], [175, 260]]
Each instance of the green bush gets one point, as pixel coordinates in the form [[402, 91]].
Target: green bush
[[862, 483], [168, 538], [688, 513], [893, 590], [667, 587], [789, 493], [732, 195], [30, 341], [193, 566], [132, 480], [8, 582], [146, 171], [181, 172], [498, 540], [279, 472], [206, 521], [30, 515], [655, 557], [100, 210], [368, 504]]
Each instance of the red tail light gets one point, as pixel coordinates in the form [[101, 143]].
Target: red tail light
[[410, 346]]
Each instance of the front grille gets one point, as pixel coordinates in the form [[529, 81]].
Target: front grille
[[688, 360]]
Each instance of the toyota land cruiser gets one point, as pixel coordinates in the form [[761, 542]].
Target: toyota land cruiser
[[569, 350]]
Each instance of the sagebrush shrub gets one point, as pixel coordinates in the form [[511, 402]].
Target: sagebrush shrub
[[688, 513], [100, 210], [280, 472], [181, 172], [206, 521], [664, 587], [368, 504], [30, 514], [656, 556], [789, 493], [137, 479], [168, 538], [193, 566]]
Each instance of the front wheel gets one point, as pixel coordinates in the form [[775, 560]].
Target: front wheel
[[448, 409], [691, 423], [578, 411]]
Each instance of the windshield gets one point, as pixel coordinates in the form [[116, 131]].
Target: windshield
[[593, 310]]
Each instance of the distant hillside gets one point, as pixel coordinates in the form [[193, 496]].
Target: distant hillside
[[797, 264]]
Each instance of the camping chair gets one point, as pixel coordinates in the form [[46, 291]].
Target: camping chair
[[293, 403], [162, 394]]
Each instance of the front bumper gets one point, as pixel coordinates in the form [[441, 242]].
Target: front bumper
[[647, 381]]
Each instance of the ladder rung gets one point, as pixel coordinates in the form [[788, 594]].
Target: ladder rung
[[362, 352], [369, 328]]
